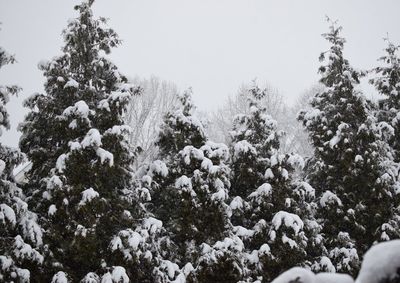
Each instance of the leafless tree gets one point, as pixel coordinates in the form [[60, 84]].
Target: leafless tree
[[295, 138], [146, 112], [221, 120]]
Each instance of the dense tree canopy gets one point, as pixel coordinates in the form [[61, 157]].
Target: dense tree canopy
[[126, 185]]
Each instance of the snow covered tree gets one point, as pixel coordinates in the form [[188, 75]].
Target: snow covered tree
[[189, 191], [352, 169], [387, 83], [20, 235], [80, 184], [221, 120], [267, 201]]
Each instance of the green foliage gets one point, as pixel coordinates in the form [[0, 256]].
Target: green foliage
[[352, 170]]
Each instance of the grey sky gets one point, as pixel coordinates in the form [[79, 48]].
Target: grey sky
[[211, 45]]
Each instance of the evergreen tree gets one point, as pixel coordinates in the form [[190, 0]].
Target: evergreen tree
[[20, 235], [272, 211], [189, 191], [81, 182], [387, 83], [352, 169]]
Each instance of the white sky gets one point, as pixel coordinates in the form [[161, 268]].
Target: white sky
[[211, 45]]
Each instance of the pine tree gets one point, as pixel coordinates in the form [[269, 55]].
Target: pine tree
[[387, 83], [267, 203], [81, 182], [20, 235], [189, 188], [352, 169]]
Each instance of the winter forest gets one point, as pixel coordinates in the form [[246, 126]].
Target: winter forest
[[124, 180]]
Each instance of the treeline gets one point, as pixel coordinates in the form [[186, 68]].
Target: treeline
[[193, 210]]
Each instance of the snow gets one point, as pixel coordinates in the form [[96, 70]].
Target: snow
[[52, 210], [236, 203], [73, 125], [206, 164], [305, 189], [311, 115], [80, 109], [116, 243], [105, 155], [134, 240], [221, 194], [289, 220], [334, 141], [5, 262], [80, 231], [296, 274], [243, 147], [183, 182], [43, 63], [382, 261], [260, 225], [72, 83], [296, 161], [158, 167], [152, 224], [59, 277], [88, 195], [170, 267], [285, 174], [333, 278], [274, 160], [31, 230], [211, 253], [92, 138], [262, 191], [289, 241], [216, 150], [119, 130], [264, 250], [347, 255], [91, 277], [358, 158], [326, 263], [60, 163], [302, 275], [74, 145], [329, 198], [23, 275], [252, 257], [7, 213], [54, 183], [119, 275], [25, 251], [242, 232], [2, 166], [269, 174], [104, 104], [117, 96], [106, 278], [189, 151]]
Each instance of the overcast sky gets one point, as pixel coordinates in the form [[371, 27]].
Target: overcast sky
[[210, 45]]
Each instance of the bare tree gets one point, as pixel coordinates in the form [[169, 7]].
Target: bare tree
[[221, 120], [295, 138], [146, 112]]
